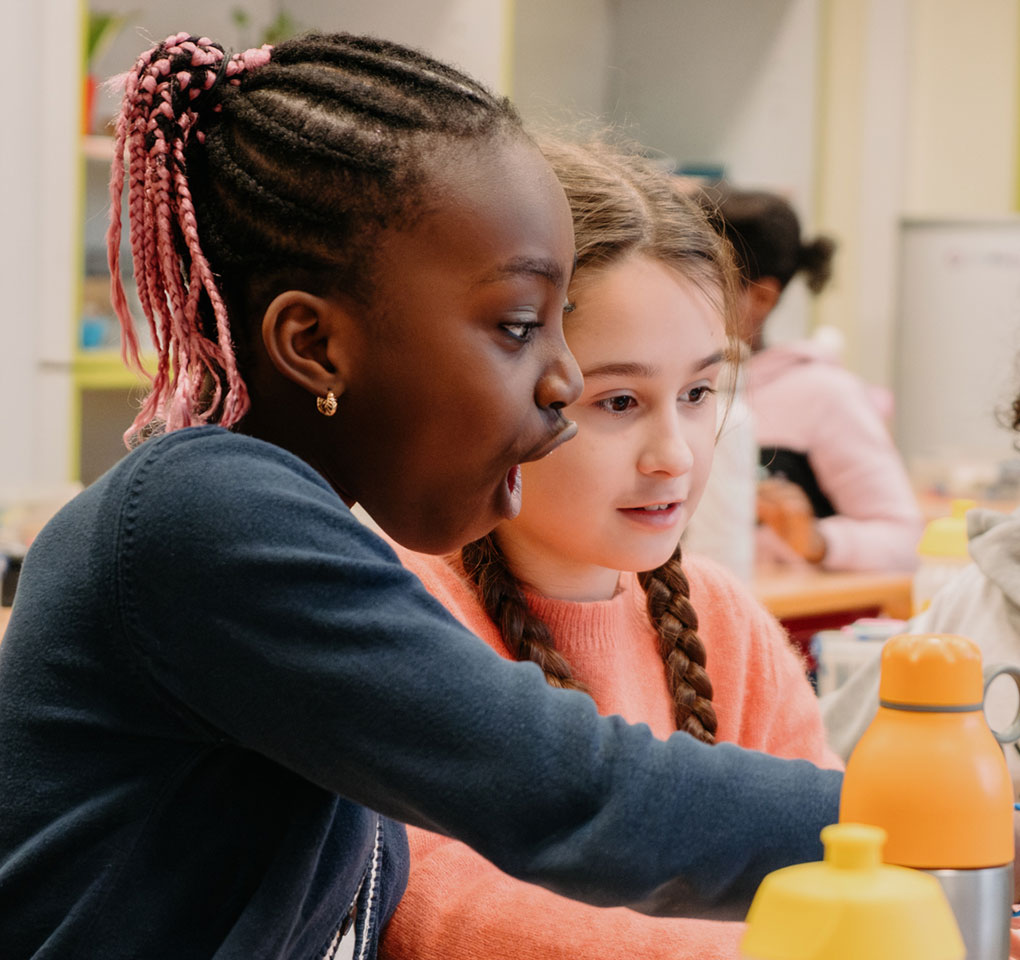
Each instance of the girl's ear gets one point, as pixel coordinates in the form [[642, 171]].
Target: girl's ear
[[309, 340], [764, 294]]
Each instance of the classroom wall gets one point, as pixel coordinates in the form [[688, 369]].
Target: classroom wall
[[961, 138], [562, 61], [918, 118], [469, 33], [864, 83], [725, 82], [38, 191]]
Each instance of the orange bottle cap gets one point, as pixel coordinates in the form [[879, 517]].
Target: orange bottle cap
[[931, 670]]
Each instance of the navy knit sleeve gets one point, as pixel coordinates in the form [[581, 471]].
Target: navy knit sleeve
[[269, 617]]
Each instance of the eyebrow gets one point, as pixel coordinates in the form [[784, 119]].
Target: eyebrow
[[647, 370], [526, 266]]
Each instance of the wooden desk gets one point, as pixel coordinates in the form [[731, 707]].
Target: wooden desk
[[806, 600], [791, 592]]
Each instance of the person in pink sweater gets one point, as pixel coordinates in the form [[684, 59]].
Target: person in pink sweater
[[587, 581], [839, 494]]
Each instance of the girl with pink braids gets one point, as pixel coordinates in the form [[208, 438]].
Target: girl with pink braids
[[218, 690]]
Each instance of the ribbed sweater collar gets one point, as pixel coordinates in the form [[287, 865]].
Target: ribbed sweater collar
[[601, 624]]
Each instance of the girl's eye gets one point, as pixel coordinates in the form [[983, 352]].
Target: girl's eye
[[620, 404], [569, 307], [699, 394], [521, 330]]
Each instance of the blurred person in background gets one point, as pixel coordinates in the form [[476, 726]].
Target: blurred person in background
[[834, 491]]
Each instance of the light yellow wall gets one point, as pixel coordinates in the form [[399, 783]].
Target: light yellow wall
[[559, 60], [962, 128], [838, 171], [918, 117]]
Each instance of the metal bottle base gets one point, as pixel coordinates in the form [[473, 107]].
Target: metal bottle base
[[982, 902]]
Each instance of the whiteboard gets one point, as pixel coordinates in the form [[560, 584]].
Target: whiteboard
[[957, 339]]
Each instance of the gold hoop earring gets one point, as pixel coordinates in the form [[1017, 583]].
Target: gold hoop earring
[[326, 405]]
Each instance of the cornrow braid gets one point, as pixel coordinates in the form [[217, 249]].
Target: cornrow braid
[[256, 172], [668, 598], [526, 635]]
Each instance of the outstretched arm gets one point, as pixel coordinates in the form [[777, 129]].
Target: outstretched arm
[[343, 669], [460, 907]]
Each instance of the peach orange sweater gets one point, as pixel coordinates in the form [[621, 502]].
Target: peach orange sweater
[[460, 907]]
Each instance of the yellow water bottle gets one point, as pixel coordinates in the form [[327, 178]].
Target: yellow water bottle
[[942, 553], [851, 906]]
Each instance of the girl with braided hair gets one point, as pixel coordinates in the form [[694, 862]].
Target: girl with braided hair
[[217, 686], [587, 580]]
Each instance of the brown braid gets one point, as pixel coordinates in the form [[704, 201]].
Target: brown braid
[[526, 636], [674, 618]]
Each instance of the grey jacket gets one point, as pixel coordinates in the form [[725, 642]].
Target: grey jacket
[[982, 602]]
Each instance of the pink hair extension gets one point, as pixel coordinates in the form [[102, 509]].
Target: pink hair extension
[[151, 138]]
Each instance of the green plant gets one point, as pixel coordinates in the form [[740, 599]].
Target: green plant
[[102, 29], [281, 27]]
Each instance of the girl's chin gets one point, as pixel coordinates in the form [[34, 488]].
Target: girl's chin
[[640, 561]]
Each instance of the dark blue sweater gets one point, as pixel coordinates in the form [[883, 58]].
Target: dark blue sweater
[[214, 674]]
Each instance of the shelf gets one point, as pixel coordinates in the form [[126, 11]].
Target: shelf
[[104, 370]]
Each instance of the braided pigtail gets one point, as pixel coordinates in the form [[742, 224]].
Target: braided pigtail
[[164, 98], [264, 171], [526, 635], [673, 616]]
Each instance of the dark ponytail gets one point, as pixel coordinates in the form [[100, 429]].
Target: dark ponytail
[[815, 262], [765, 233]]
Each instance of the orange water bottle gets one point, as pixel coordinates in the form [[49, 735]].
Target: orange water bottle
[[930, 772]]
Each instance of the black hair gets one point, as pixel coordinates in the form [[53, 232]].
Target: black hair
[[321, 147], [765, 233], [260, 171]]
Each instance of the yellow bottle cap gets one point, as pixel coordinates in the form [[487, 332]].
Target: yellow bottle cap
[[947, 536], [850, 906]]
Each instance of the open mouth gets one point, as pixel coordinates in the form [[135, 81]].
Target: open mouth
[[655, 514], [514, 480], [566, 430]]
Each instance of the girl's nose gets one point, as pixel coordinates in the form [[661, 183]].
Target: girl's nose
[[666, 451], [561, 382]]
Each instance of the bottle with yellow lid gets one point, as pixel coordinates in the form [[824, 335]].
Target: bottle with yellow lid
[[930, 772], [942, 552], [850, 906]]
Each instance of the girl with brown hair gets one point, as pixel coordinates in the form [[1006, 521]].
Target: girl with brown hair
[[587, 581]]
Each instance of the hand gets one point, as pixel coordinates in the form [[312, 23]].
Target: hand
[[785, 509]]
